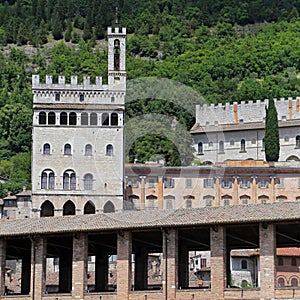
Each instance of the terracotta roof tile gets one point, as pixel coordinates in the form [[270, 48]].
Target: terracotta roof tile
[[288, 211]]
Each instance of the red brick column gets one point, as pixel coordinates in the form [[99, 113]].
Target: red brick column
[[160, 192], [170, 264], [267, 241], [38, 268], [218, 193], [218, 261], [79, 265], [235, 191], [124, 265], [2, 266]]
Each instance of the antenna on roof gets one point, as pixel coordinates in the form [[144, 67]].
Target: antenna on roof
[[117, 18]]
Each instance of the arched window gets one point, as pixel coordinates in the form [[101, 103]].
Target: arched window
[[88, 151], [188, 203], [298, 141], [47, 209], [244, 264], [169, 201], [69, 208], [88, 182], [63, 118], [84, 119], [42, 118], [208, 199], [281, 198], [72, 118], [46, 149], [280, 282], [105, 119], [116, 55], [221, 147], [109, 207], [51, 118], [280, 261], [294, 282], [243, 145], [69, 180], [109, 150], [47, 180], [263, 199], [94, 119], [114, 119], [294, 261], [244, 199], [227, 199], [89, 208], [67, 149], [200, 148]]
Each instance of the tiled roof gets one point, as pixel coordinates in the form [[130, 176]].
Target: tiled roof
[[288, 211], [197, 128], [294, 251]]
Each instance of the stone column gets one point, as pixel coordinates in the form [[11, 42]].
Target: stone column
[[124, 265], [218, 192], [143, 192], [218, 261], [267, 242], [101, 271], [38, 267], [2, 266], [79, 265], [235, 191], [141, 270], [254, 191], [160, 192], [273, 198], [170, 263], [183, 274]]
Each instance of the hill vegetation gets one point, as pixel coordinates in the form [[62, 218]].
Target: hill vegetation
[[225, 50]]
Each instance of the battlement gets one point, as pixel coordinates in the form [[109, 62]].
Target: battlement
[[73, 85], [246, 112], [116, 31]]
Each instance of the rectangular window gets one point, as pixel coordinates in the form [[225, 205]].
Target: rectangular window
[[169, 183], [245, 183], [134, 182], [208, 182], [280, 182], [57, 97], [226, 183], [263, 183], [188, 183], [151, 182]]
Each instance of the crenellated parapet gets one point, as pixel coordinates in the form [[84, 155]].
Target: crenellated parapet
[[73, 85], [246, 112], [51, 92]]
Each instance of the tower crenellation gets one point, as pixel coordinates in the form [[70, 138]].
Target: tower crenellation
[[249, 112]]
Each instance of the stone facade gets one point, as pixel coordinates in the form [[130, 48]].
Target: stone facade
[[78, 139], [231, 183], [236, 131]]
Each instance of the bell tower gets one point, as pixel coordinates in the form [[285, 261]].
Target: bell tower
[[116, 58]]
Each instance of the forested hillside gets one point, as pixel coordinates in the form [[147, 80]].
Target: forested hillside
[[225, 50]]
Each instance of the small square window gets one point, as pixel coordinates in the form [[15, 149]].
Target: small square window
[[81, 97], [206, 123], [188, 183], [231, 142], [283, 118]]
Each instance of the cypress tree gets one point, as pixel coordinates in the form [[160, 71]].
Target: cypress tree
[[272, 146]]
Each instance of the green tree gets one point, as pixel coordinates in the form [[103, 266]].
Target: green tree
[[272, 146]]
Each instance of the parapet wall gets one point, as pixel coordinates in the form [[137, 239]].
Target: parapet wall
[[252, 111], [62, 85]]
